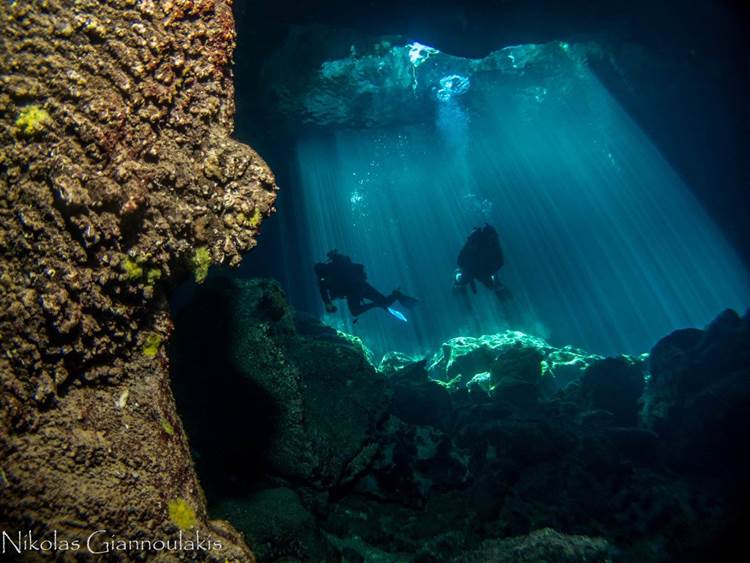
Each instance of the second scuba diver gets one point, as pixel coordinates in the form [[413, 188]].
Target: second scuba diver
[[479, 260]]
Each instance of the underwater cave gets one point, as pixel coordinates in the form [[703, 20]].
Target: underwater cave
[[392, 138], [607, 243], [396, 281]]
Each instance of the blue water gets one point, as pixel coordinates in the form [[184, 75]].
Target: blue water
[[605, 246]]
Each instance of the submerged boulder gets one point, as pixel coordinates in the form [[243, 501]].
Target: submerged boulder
[[417, 399], [412, 462], [513, 358], [516, 374], [465, 356], [698, 395], [543, 545], [357, 464], [343, 399], [312, 401], [392, 362], [614, 385], [276, 525]]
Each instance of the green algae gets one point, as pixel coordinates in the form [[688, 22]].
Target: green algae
[[136, 271], [256, 219], [201, 262], [133, 268], [151, 345], [166, 426]]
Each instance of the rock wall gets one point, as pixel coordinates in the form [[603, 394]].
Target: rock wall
[[118, 177]]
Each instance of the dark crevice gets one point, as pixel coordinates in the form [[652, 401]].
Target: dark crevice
[[230, 421]]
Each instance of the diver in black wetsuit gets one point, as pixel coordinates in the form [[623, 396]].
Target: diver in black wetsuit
[[479, 260], [339, 278]]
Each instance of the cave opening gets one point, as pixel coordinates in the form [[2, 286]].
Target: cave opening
[[611, 239]]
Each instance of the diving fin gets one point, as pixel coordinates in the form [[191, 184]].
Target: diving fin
[[398, 314], [405, 300]]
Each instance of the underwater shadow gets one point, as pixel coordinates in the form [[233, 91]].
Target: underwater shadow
[[229, 420]]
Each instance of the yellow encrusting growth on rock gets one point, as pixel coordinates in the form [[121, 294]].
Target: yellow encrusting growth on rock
[[181, 514], [136, 272], [166, 426], [201, 262], [151, 345], [256, 218], [32, 120], [132, 268], [152, 276]]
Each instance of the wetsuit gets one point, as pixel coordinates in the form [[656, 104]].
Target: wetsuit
[[480, 259], [339, 278]]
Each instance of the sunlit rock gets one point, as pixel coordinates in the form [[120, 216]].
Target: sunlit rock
[[452, 86], [391, 362], [461, 359], [391, 83]]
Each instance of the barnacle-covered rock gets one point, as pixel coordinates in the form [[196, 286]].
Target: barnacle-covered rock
[[117, 163]]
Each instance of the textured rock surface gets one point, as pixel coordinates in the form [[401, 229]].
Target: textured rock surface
[[462, 358], [115, 167], [614, 385], [276, 525], [544, 545], [698, 396], [305, 405], [417, 399], [353, 79]]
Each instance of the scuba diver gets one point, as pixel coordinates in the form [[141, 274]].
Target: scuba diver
[[479, 260], [339, 278]]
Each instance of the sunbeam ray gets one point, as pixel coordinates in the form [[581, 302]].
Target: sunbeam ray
[[605, 246]]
